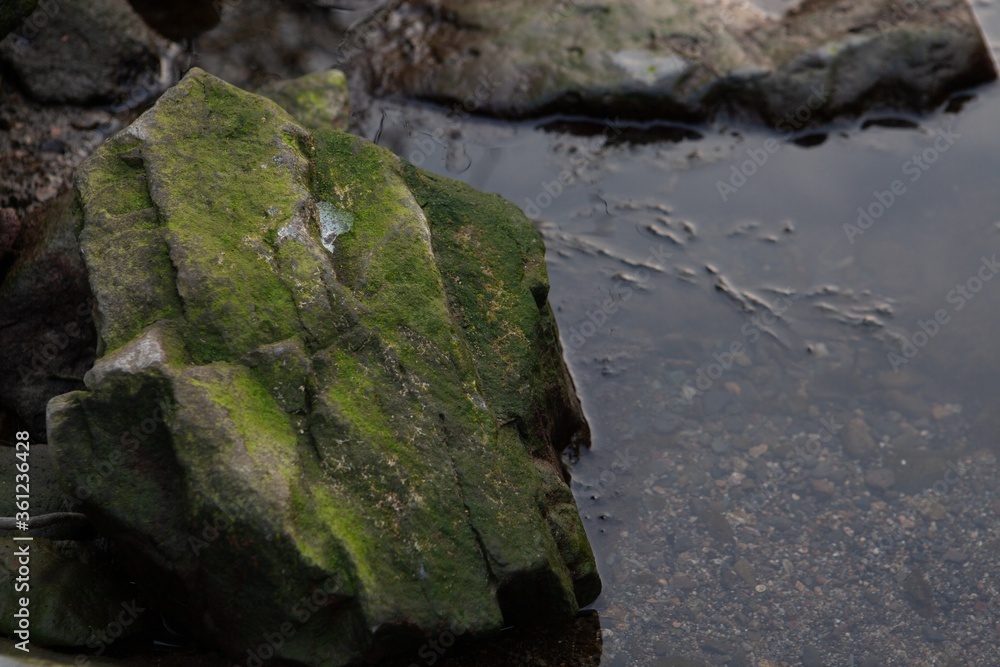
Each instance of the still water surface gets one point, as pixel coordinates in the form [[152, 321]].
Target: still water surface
[[786, 348]]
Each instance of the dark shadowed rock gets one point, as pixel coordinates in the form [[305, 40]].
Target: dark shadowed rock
[[13, 13], [74, 588], [83, 52], [178, 20], [47, 336]]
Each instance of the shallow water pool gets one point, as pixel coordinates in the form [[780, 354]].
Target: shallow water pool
[[785, 344]]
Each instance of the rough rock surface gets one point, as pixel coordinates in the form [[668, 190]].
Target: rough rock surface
[[318, 101], [75, 590], [84, 52], [330, 394], [679, 60], [47, 331]]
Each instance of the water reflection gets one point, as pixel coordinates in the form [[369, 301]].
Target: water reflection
[[790, 379]]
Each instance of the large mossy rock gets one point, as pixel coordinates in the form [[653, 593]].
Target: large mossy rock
[[679, 60], [329, 395]]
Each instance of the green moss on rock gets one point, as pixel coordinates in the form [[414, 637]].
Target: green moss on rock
[[375, 410], [318, 101]]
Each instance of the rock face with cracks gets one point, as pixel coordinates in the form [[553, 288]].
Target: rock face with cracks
[[329, 397]]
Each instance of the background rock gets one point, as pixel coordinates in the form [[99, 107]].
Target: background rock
[[75, 589], [318, 101], [85, 52], [679, 60], [46, 328], [178, 20], [13, 12]]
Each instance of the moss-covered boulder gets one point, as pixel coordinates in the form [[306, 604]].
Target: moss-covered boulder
[[329, 399]]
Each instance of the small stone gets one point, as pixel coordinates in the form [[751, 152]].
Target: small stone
[[683, 543], [823, 487], [46, 192], [715, 646], [918, 592], [955, 556], [933, 636], [880, 478], [720, 445], [653, 503], [822, 470], [939, 411], [745, 570], [812, 657], [931, 508], [858, 442], [90, 120], [715, 401], [53, 146]]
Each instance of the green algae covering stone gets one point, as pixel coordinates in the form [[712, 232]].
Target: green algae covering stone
[[330, 395]]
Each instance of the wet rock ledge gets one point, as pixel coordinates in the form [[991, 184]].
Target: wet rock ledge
[[677, 60], [329, 395]]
